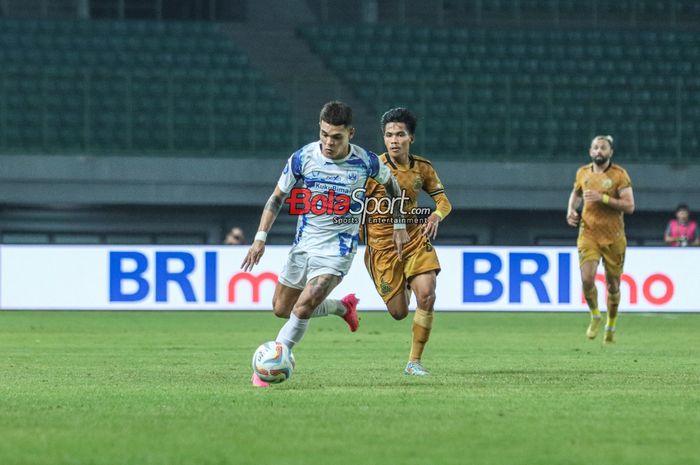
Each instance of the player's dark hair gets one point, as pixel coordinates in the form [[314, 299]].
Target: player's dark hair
[[337, 114], [400, 115]]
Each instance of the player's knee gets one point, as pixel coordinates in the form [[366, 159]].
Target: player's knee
[[425, 299], [398, 307], [398, 313], [588, 282], [280, 311], [613, 287]]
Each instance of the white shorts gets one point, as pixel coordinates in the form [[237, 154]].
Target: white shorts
[[301, 267]]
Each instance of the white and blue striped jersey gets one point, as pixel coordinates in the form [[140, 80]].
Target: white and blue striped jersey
[[319, 234]]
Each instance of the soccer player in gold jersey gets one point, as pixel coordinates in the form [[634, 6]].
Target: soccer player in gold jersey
[[606, 192], [416, 268]]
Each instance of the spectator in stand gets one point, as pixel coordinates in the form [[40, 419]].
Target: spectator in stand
[[235, 237], [681, 232]]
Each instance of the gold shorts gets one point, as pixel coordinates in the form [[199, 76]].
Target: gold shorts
[[613, 255], [391, 276]]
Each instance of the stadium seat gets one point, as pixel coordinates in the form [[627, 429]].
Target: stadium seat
[[589, 78], [115, 75]]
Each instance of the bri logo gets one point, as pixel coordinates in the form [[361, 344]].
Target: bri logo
[[517, 276], [134, 278], [484, 282]]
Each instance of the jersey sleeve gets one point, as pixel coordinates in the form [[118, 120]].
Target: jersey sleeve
[[434, 187], [378, 170], [431, 182], [372, 188], [291, 173], [443, 207], [625, 181]]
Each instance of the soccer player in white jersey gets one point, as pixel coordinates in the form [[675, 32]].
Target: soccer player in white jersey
[[323, 247]]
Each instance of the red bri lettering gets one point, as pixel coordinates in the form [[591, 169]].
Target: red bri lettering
[[625, 278], [668, 294], [254, 281], [646, 288], [632, 285]]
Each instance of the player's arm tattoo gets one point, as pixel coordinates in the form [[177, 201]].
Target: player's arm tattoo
[[271, 210], [274, 204]]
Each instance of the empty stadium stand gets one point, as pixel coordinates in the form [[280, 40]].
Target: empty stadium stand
[[133, 87], [526, 94]]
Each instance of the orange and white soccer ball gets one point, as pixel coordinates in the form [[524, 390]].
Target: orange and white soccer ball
[[273, 362]]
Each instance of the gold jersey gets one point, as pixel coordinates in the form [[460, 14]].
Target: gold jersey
[[599, 222], [418, 175]]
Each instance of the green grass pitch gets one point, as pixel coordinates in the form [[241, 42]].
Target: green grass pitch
[[173, 388]]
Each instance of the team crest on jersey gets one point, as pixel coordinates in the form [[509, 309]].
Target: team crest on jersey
[[417, 183], [428, 246], [384, 287], [607, 183], [352, 177]]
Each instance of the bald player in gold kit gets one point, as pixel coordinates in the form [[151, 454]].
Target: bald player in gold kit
[[606, 192], [417, 266]]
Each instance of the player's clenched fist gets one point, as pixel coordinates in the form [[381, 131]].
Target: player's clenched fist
[[590, 195]]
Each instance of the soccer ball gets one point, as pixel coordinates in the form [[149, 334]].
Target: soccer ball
[[273, 362]]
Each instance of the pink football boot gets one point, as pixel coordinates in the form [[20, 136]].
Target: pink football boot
[[350, 303]]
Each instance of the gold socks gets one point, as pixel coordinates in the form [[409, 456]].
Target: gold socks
[[422, 324]]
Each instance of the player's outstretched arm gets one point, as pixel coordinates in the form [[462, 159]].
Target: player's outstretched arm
[[401, 237], [269, 215], [572, 216]]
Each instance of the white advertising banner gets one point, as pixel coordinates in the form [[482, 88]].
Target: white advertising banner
[[47, 277]]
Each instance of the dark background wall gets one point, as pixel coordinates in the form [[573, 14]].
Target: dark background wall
[[196, 199]]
